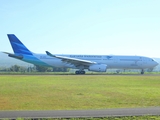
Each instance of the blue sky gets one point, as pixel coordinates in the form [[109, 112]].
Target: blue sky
[[118, 27]]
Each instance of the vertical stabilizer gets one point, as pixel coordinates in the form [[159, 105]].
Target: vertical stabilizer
[[18, 46]]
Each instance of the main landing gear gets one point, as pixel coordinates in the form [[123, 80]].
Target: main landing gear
[[80, 72], [142, 72]]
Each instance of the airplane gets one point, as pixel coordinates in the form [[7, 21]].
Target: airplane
[[96, 63]]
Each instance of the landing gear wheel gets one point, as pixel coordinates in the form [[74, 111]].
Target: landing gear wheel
[[77, 72], [80, 72]]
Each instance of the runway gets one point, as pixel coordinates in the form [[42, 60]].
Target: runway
[[80, 113]]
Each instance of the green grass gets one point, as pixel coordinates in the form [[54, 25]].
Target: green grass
[[106, 118], [38, 92]]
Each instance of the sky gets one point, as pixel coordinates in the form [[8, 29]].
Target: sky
[[101, 27]]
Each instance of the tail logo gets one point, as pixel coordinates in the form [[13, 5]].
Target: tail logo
[[18, 46]]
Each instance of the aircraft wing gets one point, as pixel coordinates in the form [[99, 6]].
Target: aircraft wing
[[71, 60]]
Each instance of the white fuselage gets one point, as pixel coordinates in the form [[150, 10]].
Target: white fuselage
[[112, 61], [97, 63]]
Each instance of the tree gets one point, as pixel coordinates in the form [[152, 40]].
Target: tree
[[56, 69], [40, 68], [50, 69], [15, 68]]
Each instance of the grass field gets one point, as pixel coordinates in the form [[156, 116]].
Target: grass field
[[42, 92], [106, 118]]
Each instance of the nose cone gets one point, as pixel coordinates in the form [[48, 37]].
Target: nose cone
[[155, 63]]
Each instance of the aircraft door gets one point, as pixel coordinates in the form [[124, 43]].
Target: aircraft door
[[142, 62]]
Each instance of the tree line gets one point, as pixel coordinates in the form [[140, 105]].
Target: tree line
[[35, 68]]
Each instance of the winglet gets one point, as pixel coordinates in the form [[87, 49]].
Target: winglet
[[49, 54]]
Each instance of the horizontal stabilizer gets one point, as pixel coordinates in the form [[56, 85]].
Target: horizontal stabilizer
[[14, 56]]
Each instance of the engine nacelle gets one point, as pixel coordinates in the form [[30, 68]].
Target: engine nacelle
[[98, 68]]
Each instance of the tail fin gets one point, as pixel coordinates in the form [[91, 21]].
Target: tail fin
[[18, 46]]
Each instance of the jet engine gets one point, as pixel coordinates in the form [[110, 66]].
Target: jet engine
[[98, 68]]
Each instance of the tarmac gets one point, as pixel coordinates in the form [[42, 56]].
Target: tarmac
[[80, 113]]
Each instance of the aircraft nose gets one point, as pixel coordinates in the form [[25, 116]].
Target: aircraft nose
[[156, 63]]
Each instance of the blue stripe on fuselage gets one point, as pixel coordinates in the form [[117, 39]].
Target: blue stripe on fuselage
[[33, 60]]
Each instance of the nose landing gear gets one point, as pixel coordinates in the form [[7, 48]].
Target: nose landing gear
[[142, 71]]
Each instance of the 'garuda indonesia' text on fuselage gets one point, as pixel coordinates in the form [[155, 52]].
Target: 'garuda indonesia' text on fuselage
[[97, 63]]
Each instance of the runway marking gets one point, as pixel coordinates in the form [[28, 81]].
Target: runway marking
[[80, 113]]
